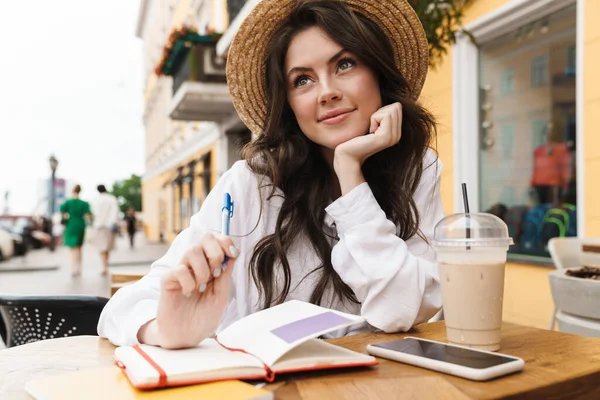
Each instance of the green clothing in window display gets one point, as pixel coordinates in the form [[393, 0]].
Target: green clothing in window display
[[75, 227]]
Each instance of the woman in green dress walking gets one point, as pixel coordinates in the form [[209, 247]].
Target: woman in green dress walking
[[75, 212]]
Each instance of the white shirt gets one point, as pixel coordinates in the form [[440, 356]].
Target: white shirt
[[105, 210], [396, 281]]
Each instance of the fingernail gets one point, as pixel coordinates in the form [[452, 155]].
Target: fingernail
[[188, 295], [234, 251], [217, 272], [202, 288]]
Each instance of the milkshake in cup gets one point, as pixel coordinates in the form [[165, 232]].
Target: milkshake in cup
[[471, 254]]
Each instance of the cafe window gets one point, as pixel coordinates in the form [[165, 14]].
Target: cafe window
[[539, 71], [527, 148]]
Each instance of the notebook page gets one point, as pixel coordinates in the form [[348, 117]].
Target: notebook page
[[271, 333], [315, 353], [183, 364]]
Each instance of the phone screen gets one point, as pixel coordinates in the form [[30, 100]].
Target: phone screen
[[450, 354]]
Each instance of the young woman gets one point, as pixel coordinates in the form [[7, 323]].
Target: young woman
[[75, 212], [337, 197]]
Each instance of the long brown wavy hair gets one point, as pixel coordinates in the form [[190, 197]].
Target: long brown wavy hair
[[295, 165]]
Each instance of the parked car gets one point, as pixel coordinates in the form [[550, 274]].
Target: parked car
[[28, 227], [7, 247], [20, 242]]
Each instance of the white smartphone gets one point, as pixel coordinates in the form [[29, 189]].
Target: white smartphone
[[477, 365]]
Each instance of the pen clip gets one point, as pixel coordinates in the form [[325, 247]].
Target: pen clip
[[228, 205]]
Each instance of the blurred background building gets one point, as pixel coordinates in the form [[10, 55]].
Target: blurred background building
[[193, 134]]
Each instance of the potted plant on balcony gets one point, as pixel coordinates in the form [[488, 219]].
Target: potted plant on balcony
[[185, 47], [441, 19]]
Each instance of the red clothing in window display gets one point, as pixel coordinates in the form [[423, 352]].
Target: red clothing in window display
[[551, 165], [551, 169]]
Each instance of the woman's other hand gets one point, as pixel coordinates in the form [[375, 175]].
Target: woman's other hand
[[192, 301], [385, 131]]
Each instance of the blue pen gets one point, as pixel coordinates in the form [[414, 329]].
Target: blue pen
[[226, 215]]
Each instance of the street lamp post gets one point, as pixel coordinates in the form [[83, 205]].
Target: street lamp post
[[53, 165]]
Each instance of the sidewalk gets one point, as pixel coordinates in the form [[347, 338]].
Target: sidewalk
[[46, 273], [44, 259]]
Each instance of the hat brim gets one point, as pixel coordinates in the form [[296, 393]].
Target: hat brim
[[246, 74]]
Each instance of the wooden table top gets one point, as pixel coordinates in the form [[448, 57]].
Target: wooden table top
[[557, 365], [128, 274]]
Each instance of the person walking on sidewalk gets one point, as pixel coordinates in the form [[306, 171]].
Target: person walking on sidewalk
[[74, 214], [106, 215], [131, 221]]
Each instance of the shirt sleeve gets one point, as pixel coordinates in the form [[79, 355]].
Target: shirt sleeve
[[134, 305], [396, 281]]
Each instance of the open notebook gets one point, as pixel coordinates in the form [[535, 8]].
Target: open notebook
[[277, 340]]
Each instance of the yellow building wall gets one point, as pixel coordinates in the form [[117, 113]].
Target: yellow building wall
[[149, 195], [157, 203], [527, 298], [591, 107], [437, 98]]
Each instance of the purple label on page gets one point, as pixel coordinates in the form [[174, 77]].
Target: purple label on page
[[308, 327]]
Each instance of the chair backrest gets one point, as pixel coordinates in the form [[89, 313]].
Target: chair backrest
[[565, 252], [2, 333], [590, 258], [32, 318]]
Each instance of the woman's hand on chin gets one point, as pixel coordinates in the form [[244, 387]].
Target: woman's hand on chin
[[386, 129]]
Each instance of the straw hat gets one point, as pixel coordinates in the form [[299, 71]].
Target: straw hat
[[245, 62]]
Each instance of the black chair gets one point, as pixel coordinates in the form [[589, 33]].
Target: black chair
[[2, 332], [31, 318]]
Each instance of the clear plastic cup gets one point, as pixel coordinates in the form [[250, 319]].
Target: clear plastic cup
[[471, 254]]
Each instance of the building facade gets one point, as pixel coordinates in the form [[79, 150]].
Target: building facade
[[193, 134]]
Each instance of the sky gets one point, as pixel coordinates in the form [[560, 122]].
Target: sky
[[71, 84]]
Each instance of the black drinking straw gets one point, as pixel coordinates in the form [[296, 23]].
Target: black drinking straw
[[466, 203]]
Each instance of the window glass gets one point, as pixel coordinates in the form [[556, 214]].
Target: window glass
[[528, 125]]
